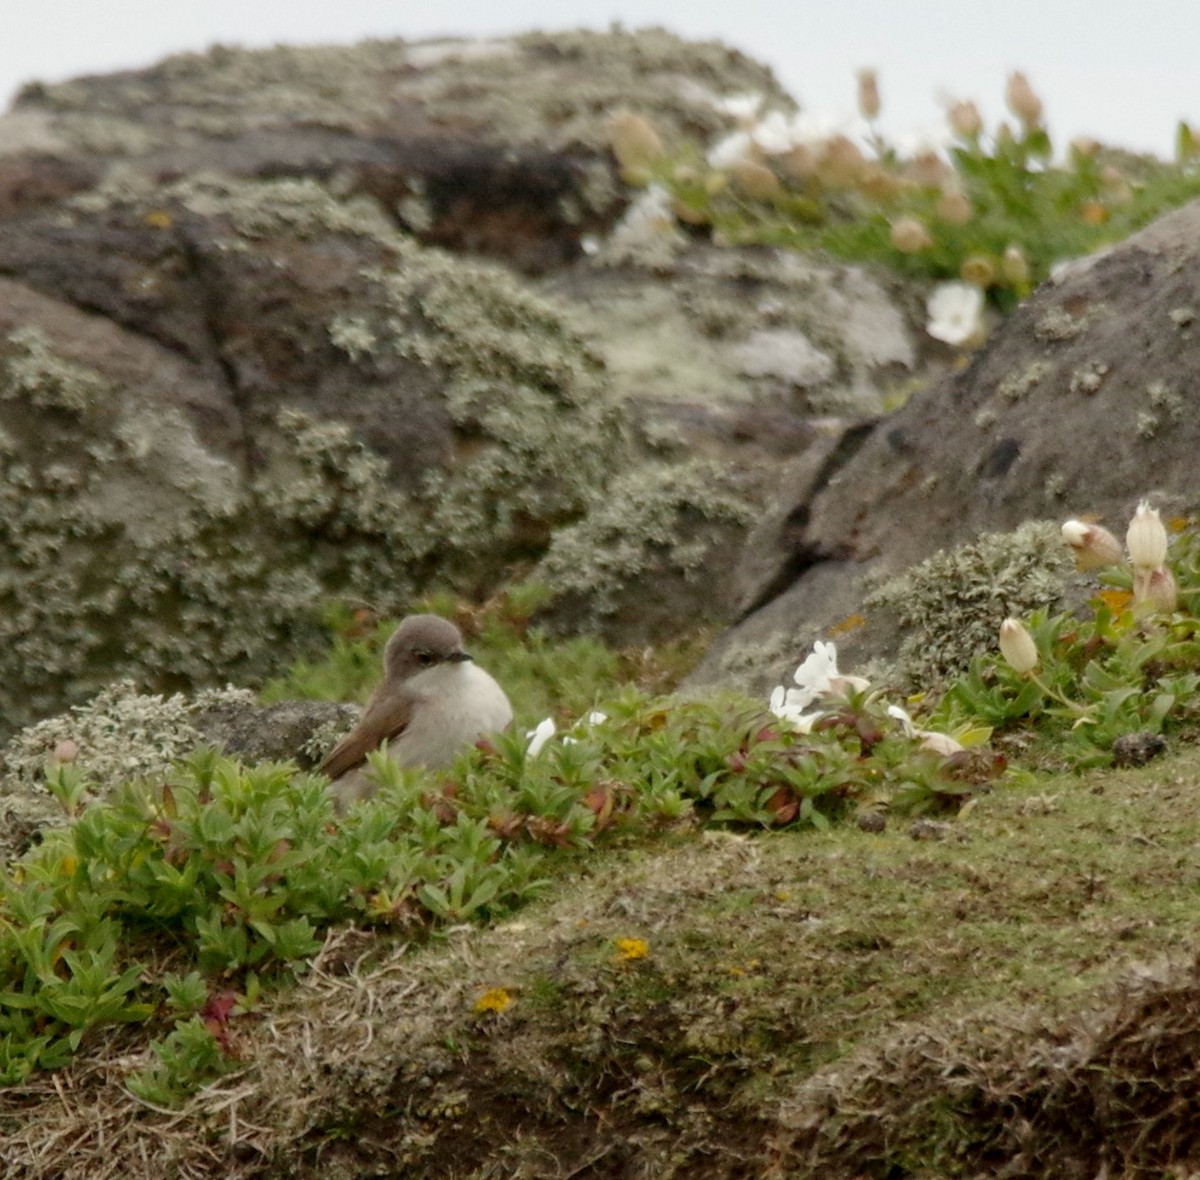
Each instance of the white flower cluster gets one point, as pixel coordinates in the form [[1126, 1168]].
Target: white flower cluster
[[818, 680], [546, 729], [772, 134]]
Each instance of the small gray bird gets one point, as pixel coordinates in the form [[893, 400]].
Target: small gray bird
[[433, 701]]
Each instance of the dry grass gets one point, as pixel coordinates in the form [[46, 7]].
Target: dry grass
[[1010, 994]]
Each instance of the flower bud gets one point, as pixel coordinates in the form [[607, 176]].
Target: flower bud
[[65, 752], [1146, 539], [910, 236], [800, 162], [756, 181], [1156, 589], [869, 103], [928, 169], [1094, 547], [1022, 100], [1015, 266], [840, 163], [977, 269], [965, 119], [1017, 646], [633, 140], [953, 207]]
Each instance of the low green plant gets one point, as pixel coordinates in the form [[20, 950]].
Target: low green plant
[[171, 901], [995, 208], [1114, 669]]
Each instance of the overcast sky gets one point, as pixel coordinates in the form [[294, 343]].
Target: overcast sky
[[1120, 71]]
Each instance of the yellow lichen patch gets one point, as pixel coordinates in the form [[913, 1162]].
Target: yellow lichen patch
[[848, 624], [1116, 600]]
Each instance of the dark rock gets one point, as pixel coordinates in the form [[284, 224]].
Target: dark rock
[[274, 733], [1136, 749]]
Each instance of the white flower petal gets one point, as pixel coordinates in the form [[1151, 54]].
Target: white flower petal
[[906, 721], [736, 148], [539, 736], [740, 106]]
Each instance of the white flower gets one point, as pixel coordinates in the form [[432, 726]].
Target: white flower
[[819, 677], [939, 743], [785, 704], [743, 107], [1146, 539], [816, 679], [539, 736], [814, 676], [595, 717], [774, 133], [809, 129], [736, 148], [955, 312]]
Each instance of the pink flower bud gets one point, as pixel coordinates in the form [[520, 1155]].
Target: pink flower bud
[[1022, 100], [1017, 646], [1015, 265], [1094, 547], [965, 119], [66, 751], [954, 207], [977, 269], [633, 140], [869, 103], [909, 236], [1155, 590]]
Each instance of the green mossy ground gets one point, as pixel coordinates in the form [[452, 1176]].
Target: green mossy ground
[[808, 1004]]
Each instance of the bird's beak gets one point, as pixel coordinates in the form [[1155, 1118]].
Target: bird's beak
[[457, 657]]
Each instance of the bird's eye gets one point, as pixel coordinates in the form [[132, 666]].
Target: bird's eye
[[425, 658]]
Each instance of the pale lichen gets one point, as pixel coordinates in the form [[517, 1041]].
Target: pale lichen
[[651, 518], [119, 734], [1017, 385], [950, 606]]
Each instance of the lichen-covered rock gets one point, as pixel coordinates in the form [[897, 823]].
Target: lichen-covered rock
[[299, 401], [654, 556], [117, 736], [732, 350], [492, 146], [1082, 403], [123, 735]]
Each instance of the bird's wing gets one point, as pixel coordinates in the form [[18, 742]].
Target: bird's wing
[[383, 719]]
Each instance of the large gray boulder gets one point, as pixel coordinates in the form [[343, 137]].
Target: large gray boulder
[[1082, 403], [496, 146], [272, 396]]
